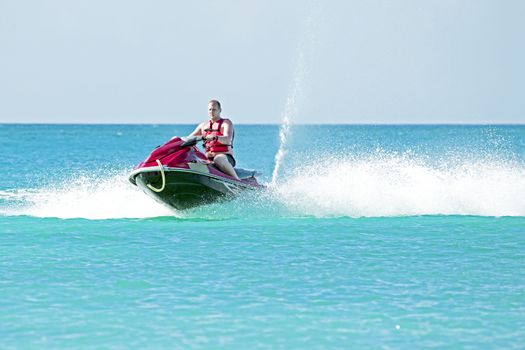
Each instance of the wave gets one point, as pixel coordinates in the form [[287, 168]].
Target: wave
[[89, 196], [381, 185], [397, 185]]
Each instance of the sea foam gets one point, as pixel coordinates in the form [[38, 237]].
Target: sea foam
[[379, 185], [90, 196], [393, 185]]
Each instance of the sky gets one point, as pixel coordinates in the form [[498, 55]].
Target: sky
[[356, 62]]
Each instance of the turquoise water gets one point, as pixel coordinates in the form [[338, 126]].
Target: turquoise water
[[371, 237]]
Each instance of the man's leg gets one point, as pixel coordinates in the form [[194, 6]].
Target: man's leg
[[224, 165]]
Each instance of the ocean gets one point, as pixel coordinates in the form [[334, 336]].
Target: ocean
[[368, 236]]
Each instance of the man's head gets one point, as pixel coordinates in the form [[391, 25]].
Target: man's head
[[214, 109]]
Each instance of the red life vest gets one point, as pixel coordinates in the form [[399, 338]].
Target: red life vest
[[215, 146]]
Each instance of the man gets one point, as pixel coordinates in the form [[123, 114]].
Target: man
[[218, 136]]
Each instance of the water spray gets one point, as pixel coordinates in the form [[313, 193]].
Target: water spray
[[297, 88]]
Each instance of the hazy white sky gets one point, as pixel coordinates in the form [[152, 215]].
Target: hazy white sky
[[368, 61]]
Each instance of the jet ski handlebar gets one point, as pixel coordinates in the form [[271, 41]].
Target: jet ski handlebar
[[192, 141]]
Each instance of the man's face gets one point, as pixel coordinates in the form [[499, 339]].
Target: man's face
[[213, 110]]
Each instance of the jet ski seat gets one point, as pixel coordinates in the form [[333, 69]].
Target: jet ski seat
[[246, 173]]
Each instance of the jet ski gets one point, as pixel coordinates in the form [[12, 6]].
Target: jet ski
[[180, 176]]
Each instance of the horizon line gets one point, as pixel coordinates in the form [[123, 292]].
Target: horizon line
[[278, 124]]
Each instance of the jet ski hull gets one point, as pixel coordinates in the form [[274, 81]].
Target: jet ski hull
[[184, 189]]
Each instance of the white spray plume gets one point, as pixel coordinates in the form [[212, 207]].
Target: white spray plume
[[397, 186], [296, 93], [109, 196]]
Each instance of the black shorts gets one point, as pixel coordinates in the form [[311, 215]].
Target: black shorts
[[230, 159]]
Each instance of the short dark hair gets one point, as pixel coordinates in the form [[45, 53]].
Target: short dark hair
[[217, 103]]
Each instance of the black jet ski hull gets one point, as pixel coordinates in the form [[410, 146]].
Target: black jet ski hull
[[184, 189]]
